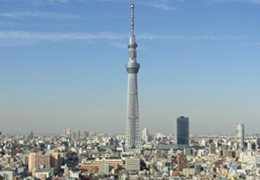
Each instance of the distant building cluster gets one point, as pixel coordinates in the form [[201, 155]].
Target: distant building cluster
[[104, 156]]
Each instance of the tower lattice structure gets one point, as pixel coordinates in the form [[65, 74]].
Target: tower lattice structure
[[132, 122]]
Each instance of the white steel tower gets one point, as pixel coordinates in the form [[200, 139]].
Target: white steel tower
[[132, 67]]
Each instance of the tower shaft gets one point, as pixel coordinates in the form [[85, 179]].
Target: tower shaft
[[132, 67]]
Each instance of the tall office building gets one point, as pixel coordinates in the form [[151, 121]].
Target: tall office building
[[78, 133], [85, 134], [212, 148], [31, 135], [145, 135], [182, 131], [240, 135], [132, 67], [67, 133]]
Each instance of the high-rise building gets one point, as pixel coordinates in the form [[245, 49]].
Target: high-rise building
[[78, 133], [182, 131], [85, 134], [132, 67], [212, 148], [67, 133], [31, 135], [257, 142], [145, 135], [240, 135], [74, 135]]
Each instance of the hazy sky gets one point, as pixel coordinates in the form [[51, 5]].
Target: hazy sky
[[62, 64]]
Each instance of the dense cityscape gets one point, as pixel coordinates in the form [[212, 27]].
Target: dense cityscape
[[87, 155], [77, 155]]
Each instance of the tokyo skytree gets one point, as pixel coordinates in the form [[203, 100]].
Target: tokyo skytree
[[132, 67]]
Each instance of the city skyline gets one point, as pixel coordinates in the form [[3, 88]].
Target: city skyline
[[62, 65]]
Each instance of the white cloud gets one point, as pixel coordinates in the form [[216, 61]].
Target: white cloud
[[257, 44], [160, 4], [22, 35], [57, 1], [19, 38], [44, 2], [241, 1], [119, 45], [38, 2], [190, 38], [6, 24], [46, 15]]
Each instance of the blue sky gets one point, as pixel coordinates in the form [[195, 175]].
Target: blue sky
[[62, 64]]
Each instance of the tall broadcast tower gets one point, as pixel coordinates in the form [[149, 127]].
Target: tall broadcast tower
[[132, 67]]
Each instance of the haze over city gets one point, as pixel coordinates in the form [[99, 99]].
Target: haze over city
[[62, 64]]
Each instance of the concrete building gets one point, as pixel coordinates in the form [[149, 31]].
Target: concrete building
[[182, 162], [37, 160], [240, 135], [56, 162], [182, 131], [31, 135], [132, 164], [103, 167], [78, 133], [212, 148], [8, 173], [189, 171], [133, 140], [67, 133], [43, 173], [145, 135]]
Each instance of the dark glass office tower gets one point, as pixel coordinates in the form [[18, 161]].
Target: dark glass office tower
[[182, 131]]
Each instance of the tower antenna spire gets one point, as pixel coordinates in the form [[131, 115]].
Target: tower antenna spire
[[132, 19]]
